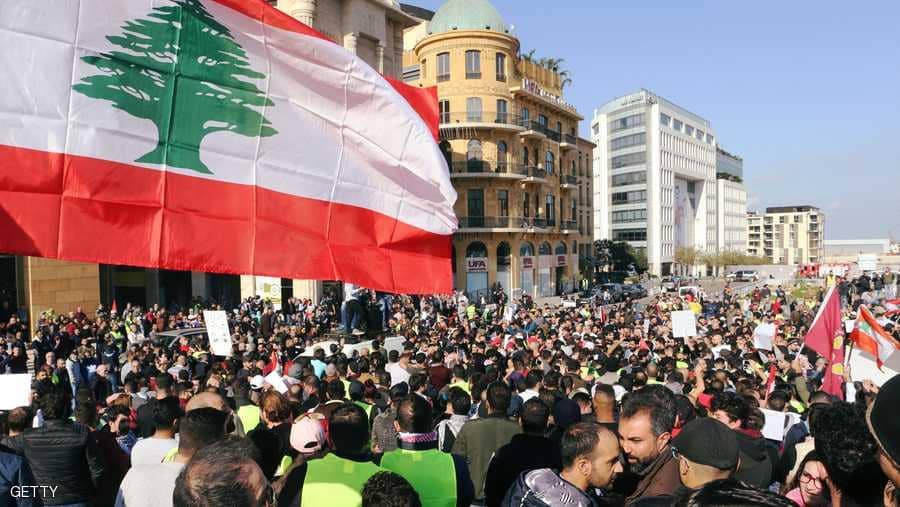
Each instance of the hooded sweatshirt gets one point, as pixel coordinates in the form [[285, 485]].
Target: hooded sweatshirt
[[756, 463]]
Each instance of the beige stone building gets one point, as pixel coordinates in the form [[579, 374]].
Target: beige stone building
[[511, 143], [792, 235]]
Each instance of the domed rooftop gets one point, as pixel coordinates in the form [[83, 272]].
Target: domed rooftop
[[467, 15]]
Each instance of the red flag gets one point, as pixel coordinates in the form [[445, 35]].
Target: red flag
[[770, 382], [826, 337]]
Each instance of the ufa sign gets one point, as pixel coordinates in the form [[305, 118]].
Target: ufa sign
[[476, 265], [560, 260], [527, 262]]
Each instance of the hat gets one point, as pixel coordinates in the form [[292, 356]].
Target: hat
[[295, 371], [358, 332], [257, 382], [307, 436], [706, 441], [356, 388], [882, 418]]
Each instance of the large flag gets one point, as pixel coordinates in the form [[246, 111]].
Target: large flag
[[868, 335], [826, 337], [215, 135]]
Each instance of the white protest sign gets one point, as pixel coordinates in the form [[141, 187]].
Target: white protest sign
[[274, 379], [509, 312], [15, 391], [569, 304], [848, 325], [864, 367], [684, 324], [763, 336], [218, 332], [777, 423], [325, 346]]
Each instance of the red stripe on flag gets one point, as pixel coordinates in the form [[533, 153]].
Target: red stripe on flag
[[419, 98], [91, 210]]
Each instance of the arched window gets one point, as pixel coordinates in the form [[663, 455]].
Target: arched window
[[474, 156], [476, 249], [561, 249], [502, 156], [545, 249], [549, 162], [503, 256], [526, 250]]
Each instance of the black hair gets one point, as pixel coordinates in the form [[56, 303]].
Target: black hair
[[200, 427], [19, 419], [417, 381], [348, 427], [387, 489], [217, 475], [534, 416], [54, 404], [533, 378], [849, 452], [732, 404], [656, 399], [460, 400], [499, 396], [414, 414], [335, 390], [580, 439], [165, 411]]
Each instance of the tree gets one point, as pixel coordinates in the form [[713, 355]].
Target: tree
[[686, 256], [182, 70], [529, 56]]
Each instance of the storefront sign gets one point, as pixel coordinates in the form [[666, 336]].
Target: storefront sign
[[561, 260], [476, 265], [527, 262]]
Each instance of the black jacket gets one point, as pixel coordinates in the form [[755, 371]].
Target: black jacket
[[756, 461], [61, 453], [523, 452]]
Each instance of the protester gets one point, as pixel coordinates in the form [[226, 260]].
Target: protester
[[151, 450], [223, 473], [387, 489], [589, 457], [756, 462], [808, 488], [882, 421], [850, 455], [645, 429]]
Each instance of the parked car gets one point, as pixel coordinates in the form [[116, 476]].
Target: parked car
[[616, 292], [169, 339], [634, 290], [669, 284], [746, 275]]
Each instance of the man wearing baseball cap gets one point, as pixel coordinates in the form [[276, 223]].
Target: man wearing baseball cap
[[706, 451], [883, 424]]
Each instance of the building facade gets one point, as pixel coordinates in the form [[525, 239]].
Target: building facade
[[731, 203], [511, 143], [754, 234], [792, 235], [654, 177]]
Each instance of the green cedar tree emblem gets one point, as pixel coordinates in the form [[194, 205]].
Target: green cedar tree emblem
[[182, 70]]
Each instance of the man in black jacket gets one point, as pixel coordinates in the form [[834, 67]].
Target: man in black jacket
[[756, 462], [528, 450], [61, 454]]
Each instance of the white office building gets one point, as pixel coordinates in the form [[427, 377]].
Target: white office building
[[731, 203], [654, 177]]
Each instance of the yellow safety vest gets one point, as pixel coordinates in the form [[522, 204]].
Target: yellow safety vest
[[170, 456], [431, 473], [336, 482], [286, 462], [462, 384], [366, 408], [249, 415]]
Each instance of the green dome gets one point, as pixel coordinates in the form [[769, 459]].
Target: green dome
[[467, 15]]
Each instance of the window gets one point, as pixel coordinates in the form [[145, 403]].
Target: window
[[665, 119], [525, 161], [550, 209], [620, 180], [473, 64], [503, 202], [627, 141], [559, 127], [443, 67], [502, 111], [628, 122], [699, 134], [677, 125], [574, 210], [501, 67], [473, 109], [630, 235], [526, 205], [630, 159], [475, 202], [637, 215], [710, 139], [526, 114], [549, 162], [629, 197], [542, 120], [444, 108], [689, 130], [502, 156], [473, 150]]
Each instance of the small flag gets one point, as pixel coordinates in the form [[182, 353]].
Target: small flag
[[770, 382], [868, 335]]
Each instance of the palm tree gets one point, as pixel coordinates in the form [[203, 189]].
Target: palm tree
[[529, 56], [565, 79]]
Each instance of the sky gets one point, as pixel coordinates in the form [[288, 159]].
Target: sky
[[807, 92]]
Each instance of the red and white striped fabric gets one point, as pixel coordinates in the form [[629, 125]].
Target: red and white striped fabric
[[215, 135]]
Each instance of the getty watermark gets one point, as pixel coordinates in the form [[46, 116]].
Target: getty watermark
[[33, 491]]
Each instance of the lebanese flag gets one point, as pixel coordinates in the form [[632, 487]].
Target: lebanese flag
[[770, 381], [826, 337], [892, 306], [868, 335], [215, 135]]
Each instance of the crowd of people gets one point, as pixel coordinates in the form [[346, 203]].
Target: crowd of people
[[498, 404]]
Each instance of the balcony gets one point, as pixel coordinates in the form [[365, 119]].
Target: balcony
[[467, 169], [568, 227], [482, 119], [532, 130], [568, 143], [532, 174], [503, 224], [568, 182]]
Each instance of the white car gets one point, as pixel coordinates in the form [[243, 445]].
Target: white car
[[746, 275]]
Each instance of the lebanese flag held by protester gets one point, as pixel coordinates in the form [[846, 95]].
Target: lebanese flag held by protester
[[868, 335], [826, 337], [215, 135], [892, 306]]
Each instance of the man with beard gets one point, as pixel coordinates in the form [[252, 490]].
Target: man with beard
[[645, 431]]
